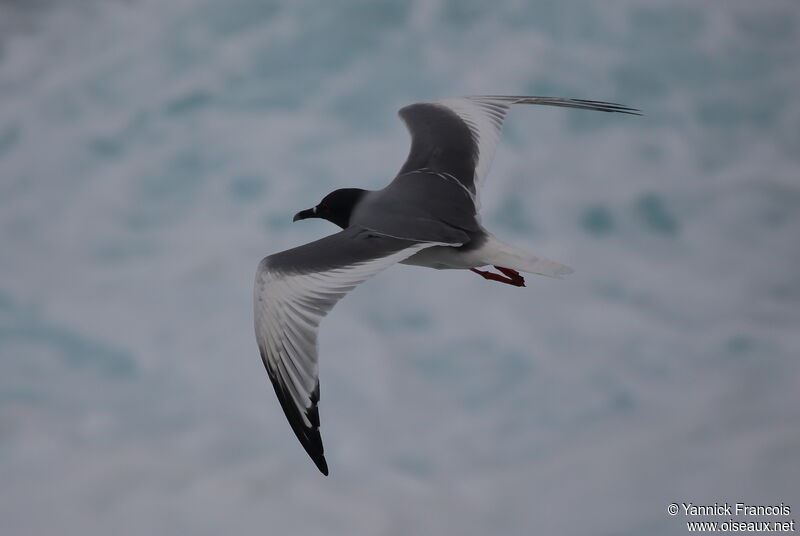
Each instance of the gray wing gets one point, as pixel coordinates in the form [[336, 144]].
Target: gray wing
[[456, 138], [294, 290]]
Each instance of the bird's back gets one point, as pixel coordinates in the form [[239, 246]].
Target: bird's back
[[421, 205]]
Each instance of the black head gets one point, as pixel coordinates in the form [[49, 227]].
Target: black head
[[336, 207]]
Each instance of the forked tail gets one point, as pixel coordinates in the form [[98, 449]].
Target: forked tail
[[498, 253]]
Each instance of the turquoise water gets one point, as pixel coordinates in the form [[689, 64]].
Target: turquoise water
[[152, 153]]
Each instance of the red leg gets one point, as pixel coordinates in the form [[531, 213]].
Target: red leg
[[512, 274], [513, 277]]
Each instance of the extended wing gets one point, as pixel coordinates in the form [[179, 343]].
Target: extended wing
[[294, 290], [456, 138]]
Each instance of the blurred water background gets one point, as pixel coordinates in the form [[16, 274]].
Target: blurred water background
[[151, 153]]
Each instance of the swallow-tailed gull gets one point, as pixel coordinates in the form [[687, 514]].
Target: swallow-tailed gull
[[427, 216]]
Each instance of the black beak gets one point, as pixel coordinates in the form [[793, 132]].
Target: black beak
[[304, 214]]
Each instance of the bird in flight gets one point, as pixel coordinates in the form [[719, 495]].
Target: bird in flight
[[427, 216]]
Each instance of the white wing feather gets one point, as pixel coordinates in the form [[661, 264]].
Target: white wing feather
[[484, 115], [288, 309]]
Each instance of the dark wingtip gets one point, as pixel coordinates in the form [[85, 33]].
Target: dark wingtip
[[600, 106], [322, 465], [308, 436], [605, 106]]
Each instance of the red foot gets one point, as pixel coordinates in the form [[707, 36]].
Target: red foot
[[512, 277]]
